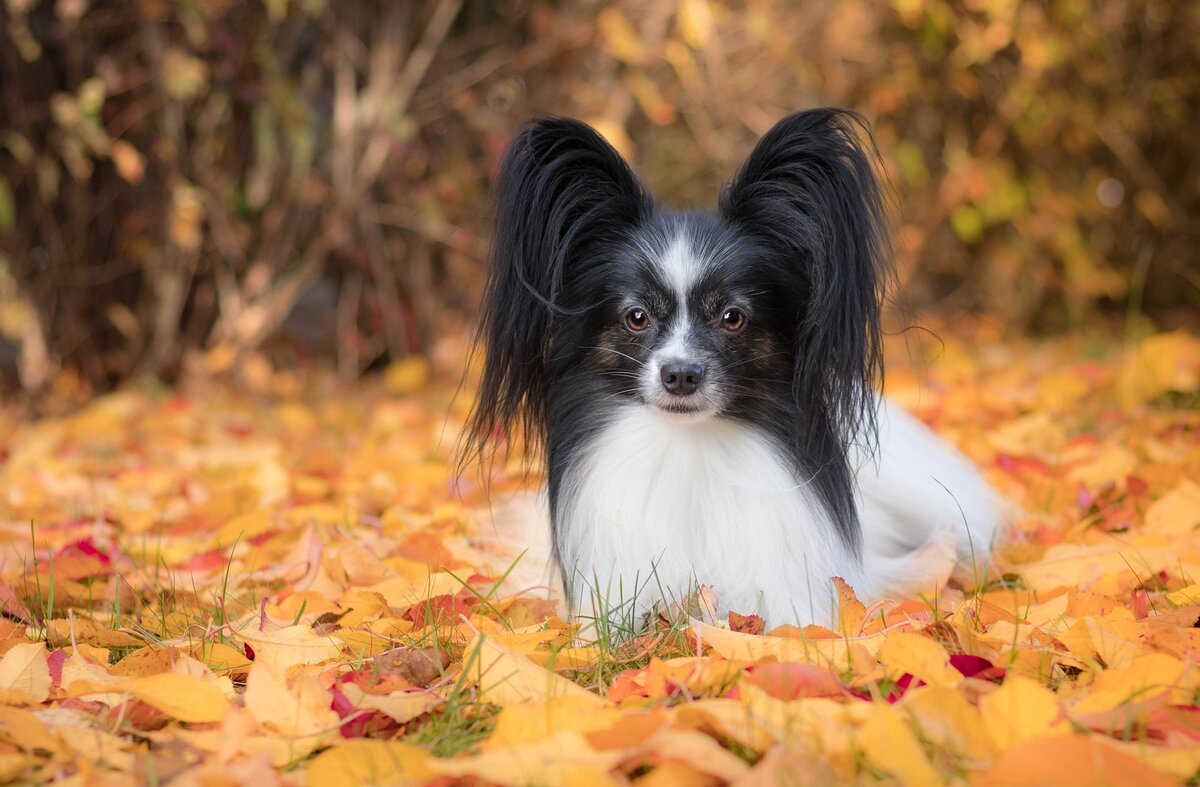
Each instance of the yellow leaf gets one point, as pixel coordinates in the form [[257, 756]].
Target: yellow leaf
[[698, 751], [91, 652], [243, 528], [1020, 710], [919, 656], [837, 653], [556, 759], [1059, 390], [828, 725], [287, 647], [729, 718], [1185, 596], [63, 631], [524, 642], [95, 745], [851, 611], [1036, 434], [403, 592], [1076, 565], [949, 721], [25, 668], [401, 706], [891, 746], [81, 677], [505, 676], [1166, 362], [183, 697], [1111, 638], [407, 376], [219, 657], [620, 39], [566, 658], [524, 722], [1177, 512], [369, 762], [299, 707], [1109, 463], [27, 731], [1181, 764], [146, 661], [695, 22], [1143, 677]]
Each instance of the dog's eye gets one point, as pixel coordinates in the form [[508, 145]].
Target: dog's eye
[[637, 319], [733, 320]]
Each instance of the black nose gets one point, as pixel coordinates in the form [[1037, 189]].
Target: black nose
[[681, 379]]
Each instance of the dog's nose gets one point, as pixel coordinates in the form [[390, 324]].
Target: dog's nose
[[680, 378]]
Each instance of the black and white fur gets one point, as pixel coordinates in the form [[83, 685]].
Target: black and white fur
[[703, 384]]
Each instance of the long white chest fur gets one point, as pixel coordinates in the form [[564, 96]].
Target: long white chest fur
[[659, 505]]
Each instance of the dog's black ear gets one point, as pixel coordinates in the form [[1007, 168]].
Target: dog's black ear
[[809, 196], [808, 193], [562, 190]]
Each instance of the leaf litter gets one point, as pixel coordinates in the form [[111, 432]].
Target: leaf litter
[[288, 583]]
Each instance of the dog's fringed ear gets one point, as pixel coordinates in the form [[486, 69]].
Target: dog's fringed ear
[[808, 192], [561, 189]]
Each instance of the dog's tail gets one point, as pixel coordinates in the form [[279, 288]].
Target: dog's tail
[[928, 516]]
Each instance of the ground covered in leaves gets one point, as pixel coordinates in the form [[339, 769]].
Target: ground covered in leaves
[[282, 582]]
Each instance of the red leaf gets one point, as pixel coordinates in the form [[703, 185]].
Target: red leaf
[[976, 667], [85, 547], [792, 681], [439, 609], [55, 662], [746, 624], [1140, 604]]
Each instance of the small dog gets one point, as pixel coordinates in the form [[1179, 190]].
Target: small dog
[[703, 386]]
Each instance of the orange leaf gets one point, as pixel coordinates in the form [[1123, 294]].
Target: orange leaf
[[1069, 761]]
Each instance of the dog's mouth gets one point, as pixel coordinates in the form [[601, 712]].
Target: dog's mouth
[[688, 411], [682, 408], [696, 406]]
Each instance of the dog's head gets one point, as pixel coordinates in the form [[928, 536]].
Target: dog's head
[[767, 308]]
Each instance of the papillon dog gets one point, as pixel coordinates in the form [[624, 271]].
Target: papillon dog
[[702, 386]]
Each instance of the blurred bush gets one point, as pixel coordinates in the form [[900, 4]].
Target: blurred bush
[[209, 179]]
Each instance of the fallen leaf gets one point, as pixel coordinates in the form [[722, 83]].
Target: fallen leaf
[[369, 762], [1177, 512], [25, 673], [919, 656], [505, 676], [1020, 710], [892, 747], [557, 759], [294, 707], [851, 612], [1069, 761], [530, 721], [836, 653], [183, 697], [401, 706]]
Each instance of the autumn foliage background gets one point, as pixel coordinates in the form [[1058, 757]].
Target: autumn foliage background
[[241, 245], [311, 178]]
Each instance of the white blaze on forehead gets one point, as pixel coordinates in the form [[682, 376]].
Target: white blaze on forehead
[[679, 268]]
